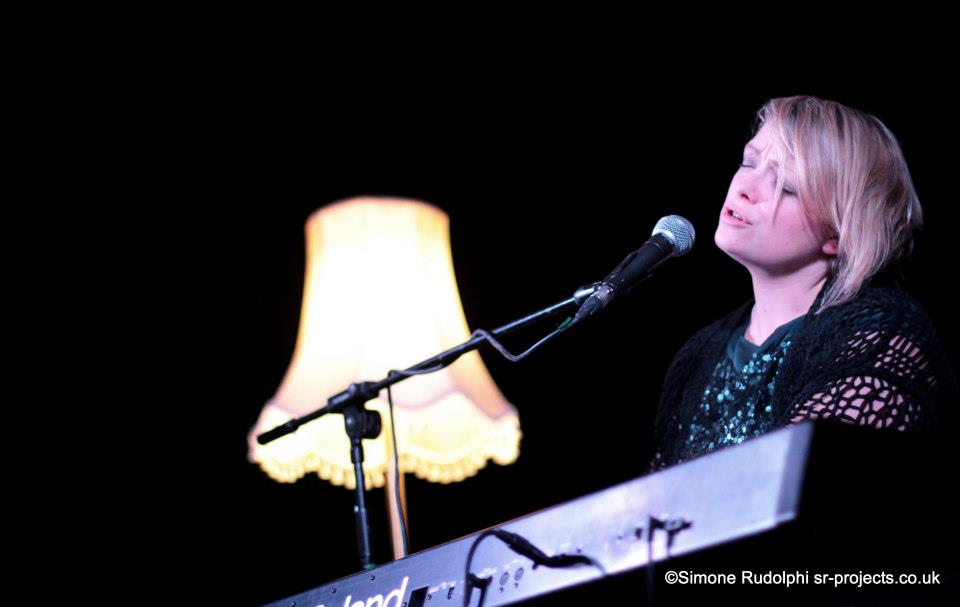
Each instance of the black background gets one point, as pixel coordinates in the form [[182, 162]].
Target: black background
[[550, 177]]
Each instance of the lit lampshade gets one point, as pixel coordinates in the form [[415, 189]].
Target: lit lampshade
[[380, 294]]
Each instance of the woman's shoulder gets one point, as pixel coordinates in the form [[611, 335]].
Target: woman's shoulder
[[877, 308], [881, 328]]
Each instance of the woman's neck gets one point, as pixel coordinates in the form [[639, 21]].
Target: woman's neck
[[780, 299]]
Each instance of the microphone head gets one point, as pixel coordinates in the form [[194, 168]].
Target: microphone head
[[679, 230]]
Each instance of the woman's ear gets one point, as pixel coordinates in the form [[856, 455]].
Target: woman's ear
[[830, 247]]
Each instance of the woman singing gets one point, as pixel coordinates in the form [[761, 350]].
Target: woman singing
[[822, 203]]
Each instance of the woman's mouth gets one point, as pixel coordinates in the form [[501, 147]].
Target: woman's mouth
[[734, 217]]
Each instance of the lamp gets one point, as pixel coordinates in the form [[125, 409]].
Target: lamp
[[380, 294]]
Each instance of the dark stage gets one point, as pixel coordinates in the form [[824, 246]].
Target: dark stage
[[547, 189]]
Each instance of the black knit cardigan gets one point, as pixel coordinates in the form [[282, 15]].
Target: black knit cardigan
[[872, 361]]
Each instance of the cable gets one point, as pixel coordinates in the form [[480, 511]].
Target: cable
[[471, 580], [409, 373], [523, 547], [396, 457], [412, 372], [517, 357]]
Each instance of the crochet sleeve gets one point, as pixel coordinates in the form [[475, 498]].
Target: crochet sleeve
[[876, 370]]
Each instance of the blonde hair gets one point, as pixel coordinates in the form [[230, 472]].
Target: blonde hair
[[854, 182]]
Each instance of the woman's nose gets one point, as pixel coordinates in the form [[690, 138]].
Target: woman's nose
[[749, 188], [745, 193]]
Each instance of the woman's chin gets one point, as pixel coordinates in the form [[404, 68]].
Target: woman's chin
[[724, 240], [731, 249]]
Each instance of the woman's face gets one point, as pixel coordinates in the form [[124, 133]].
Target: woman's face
[[758, 229]]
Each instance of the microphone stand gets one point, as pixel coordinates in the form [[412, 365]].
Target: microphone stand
[[360, 422]]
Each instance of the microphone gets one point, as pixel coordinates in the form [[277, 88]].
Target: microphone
[[672, 236]]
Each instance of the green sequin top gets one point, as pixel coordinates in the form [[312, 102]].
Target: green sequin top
[[732, 409]]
